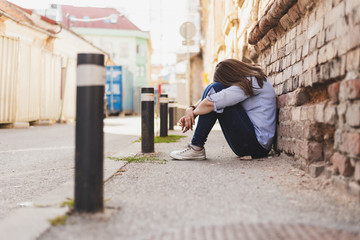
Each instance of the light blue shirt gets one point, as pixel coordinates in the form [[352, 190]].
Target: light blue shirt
[[261, 108]]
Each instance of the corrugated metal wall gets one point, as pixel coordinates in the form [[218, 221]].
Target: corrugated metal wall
[[50, 102], [30, 83], [68, 110], [9, 48]]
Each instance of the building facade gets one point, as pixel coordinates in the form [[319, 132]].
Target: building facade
[[37, 67], [111, 31], [310, 51]]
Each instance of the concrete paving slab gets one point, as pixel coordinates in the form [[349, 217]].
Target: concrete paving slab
[[28, 223], [33, 218], [150, 200]]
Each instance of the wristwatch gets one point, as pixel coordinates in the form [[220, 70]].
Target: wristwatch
[[193, 107]]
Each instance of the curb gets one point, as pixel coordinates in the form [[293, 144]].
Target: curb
[[33, 219]]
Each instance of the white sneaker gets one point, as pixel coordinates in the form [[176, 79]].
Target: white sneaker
[[188, 154]]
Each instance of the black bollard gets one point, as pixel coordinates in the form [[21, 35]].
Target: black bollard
[[89, 150], [171, 114], [147, 120], [164, 115]]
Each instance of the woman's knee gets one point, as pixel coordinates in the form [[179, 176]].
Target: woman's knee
[[218, 86]]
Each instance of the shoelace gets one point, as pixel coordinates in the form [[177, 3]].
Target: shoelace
[[186, 149]]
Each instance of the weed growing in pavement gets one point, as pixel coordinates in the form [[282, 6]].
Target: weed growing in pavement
[[139, 158], [60, 220], [69, 202], [168, 139]]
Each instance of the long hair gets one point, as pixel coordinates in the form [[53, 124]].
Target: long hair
[[234, 72]]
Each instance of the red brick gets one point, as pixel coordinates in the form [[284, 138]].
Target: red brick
[[315, 170], [299, 97], [295, 131], [357, 171], [285, 144], [311, 151], [341, 164], [334, 14], [283, 130], [335, 68], [353, 115], [328, 150], [312, 131], [294, 13], [327, 52], [286, 21], [333, 91], [305, 5], [284, 115], [353, 60], [319, 112], [350, 143], [310, 112], [314, 151], [282, 101], [350, 89], [330, 114]]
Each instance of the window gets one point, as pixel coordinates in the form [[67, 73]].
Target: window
[[123, 50], [140, 50], [140, 71], [72, 18]]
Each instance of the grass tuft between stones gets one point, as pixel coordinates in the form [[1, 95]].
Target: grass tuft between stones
[[139, 158], [69, 202], [168, 139], [57, 221]]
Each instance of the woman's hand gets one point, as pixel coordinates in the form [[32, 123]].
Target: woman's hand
[[188, 120]]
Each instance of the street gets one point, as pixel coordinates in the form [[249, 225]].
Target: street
[[36, 160], [225, 196]]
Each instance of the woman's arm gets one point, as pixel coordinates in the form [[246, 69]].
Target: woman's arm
[[201, 107], [204, 107], [188, 120]]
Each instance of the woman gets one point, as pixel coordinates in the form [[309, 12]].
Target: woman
[[243, 101]]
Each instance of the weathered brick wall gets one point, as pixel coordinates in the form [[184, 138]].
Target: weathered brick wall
[[312, 57]]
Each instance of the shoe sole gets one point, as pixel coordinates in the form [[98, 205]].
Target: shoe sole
[[175, 157]]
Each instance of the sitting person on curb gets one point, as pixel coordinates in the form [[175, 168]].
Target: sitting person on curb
[[243, 100]]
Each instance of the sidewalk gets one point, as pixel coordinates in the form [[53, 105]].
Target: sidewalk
[[224, 197]]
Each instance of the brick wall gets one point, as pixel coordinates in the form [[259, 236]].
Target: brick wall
[[312, 57]]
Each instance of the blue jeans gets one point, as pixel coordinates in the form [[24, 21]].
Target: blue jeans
[[236, 126]]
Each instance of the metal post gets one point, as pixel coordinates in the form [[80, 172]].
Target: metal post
[[147, 120], [89, 137], [171, 114], [164, 115]]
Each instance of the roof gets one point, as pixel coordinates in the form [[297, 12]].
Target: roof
[[27, 17], [92, 13], [41, 23], [15, 11]]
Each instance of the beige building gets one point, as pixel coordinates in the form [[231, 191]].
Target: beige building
[[311, 52], [37, 67]]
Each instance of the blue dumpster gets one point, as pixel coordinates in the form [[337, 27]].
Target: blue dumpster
[[128, 92], [113, 89]]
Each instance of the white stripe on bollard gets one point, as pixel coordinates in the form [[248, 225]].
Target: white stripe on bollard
[[145, 97], [90, 75], [164, 100]]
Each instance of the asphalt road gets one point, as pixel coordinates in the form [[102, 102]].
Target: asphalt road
[[36, 160]]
